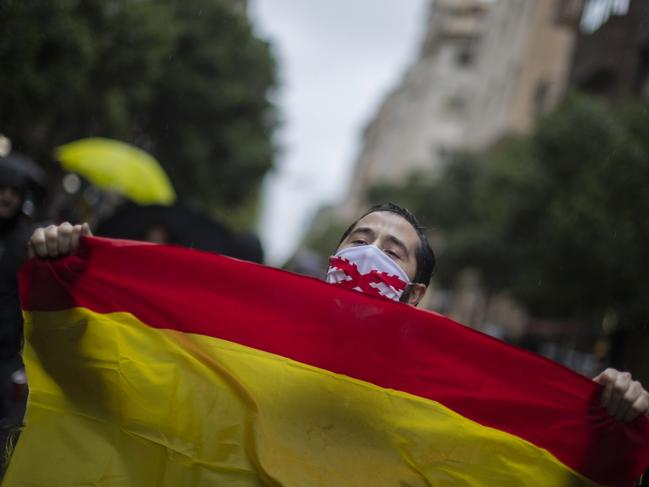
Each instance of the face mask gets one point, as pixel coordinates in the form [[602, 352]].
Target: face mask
[[366, 268]]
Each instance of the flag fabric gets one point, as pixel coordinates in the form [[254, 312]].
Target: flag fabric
[[161, 366]]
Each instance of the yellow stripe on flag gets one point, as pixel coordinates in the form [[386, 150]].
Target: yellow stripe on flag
[[120, 403]]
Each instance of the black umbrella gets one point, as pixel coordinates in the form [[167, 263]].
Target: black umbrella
[[21, 172], [178, 225]]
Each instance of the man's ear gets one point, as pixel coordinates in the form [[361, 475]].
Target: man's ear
[[415, 293]]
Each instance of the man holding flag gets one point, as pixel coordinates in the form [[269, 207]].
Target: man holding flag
[[300, 362], [389, 238]]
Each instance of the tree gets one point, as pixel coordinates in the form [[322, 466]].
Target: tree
[[187, 81], [589, 237]]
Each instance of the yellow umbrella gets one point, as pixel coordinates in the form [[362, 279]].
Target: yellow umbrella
[[110, 164]]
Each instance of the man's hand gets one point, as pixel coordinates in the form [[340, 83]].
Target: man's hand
[[57, 241], [624, 397]]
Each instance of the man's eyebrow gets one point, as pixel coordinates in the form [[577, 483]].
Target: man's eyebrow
[[399, 244], [362, 230]]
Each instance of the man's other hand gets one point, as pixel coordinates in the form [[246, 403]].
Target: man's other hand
[[57, 241], [624, 398]]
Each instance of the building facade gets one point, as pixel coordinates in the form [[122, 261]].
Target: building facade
[[486, 69], [424, 118], [524, 67]]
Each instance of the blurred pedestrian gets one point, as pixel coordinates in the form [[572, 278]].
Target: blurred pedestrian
[[18, 175]]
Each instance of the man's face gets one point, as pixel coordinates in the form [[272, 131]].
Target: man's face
[[9, 201], [389, 232]]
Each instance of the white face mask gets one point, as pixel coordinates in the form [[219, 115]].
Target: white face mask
[[368, 269]]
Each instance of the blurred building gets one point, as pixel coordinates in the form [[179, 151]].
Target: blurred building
[[611, 56], [523, 67], [424, 118], [485, 69]]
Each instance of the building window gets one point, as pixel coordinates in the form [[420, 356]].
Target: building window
[[440, 152], [602, 82], [541, 93], [455, 104], [642, 76], [644, 89], [465, 57], [569, 12]]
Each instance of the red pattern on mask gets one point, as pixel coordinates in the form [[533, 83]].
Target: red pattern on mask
[[365, 281]]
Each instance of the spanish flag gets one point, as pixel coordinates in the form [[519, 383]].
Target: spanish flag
[[161, 366]]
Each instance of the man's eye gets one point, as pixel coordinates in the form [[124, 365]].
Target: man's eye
[[359, 242], [392, 253]]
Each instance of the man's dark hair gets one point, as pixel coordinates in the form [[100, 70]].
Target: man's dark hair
[[424, 253]]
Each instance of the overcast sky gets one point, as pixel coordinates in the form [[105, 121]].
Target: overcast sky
[[337, 59]]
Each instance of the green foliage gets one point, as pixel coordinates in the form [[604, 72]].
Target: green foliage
[[186, 80], [590, 234], [558, 218]]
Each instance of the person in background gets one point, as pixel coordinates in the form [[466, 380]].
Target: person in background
[[16, 179]]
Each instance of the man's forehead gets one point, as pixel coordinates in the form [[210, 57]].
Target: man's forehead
[[389, 222]]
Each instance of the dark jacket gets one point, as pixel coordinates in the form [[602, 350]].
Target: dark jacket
[[13, 253]]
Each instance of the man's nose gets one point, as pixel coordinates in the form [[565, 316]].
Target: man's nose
[[379, 241]]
